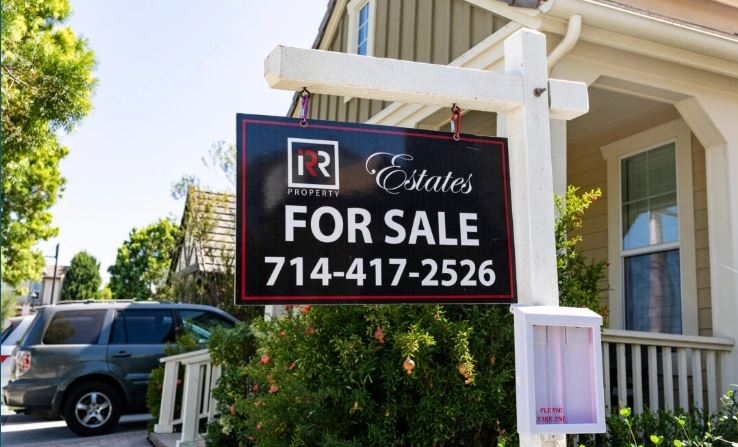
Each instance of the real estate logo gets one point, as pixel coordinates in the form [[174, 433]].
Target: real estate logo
[[312, 163]]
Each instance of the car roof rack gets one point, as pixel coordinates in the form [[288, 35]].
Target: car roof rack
[[93, 301]]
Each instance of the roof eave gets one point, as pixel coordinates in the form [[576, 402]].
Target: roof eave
[[646, 27]]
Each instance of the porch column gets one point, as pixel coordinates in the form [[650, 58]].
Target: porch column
[[722, 216], [713, 122]]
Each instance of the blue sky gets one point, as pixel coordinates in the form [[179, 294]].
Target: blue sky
[[172, 76]]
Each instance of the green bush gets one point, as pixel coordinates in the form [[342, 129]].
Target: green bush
[[581, 280], [395, 375], [370, 375], [671, 428]]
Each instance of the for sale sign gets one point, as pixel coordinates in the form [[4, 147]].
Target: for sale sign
[[351, 213]]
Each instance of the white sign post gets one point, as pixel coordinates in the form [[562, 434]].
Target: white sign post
[[524, 93]]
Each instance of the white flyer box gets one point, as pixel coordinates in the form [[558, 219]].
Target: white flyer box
[[558, 364]]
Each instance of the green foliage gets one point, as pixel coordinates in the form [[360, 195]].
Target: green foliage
[[46, 87], [106, 293], [672, 428], [82, 280], [368, 375], [8, 303], [385, 375], [581, 281], [142, 263]]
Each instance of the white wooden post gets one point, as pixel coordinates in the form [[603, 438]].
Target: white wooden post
[[525, 100], [531, 188]]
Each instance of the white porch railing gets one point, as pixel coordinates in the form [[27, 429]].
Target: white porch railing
[[637, 365], [200, 377]]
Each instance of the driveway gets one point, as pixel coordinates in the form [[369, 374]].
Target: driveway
[[19, 430]]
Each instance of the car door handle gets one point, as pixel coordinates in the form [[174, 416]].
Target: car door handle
[[122, 354]]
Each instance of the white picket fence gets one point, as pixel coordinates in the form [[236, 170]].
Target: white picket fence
[[636, 365]]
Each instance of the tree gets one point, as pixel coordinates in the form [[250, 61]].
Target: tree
[[47, 84], [8, 302], [82, 280], [581, 280], [142, 263], [221, 159]]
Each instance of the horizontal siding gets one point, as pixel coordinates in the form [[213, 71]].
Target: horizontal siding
[[701, 239], [587, 170], [435, 31]]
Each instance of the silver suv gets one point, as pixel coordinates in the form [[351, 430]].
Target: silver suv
[[89, 362]]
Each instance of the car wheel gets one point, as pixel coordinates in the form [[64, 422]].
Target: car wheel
[[92, 409]]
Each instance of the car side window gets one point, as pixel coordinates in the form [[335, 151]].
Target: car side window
[[79, 327], [8, 330], [201, 322], [143, 327]]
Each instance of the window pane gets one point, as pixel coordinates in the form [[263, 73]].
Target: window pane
[[652, 292], [635, 177], [144, 327], [662, 169], [635, 225], [201, 323], [664, 222], [81, 327], [649, 208], [362, 35]]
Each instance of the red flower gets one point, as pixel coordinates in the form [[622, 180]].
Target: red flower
[[310, 330], [305, 309], [233, 409], [379, 334], [274, 388], [255, 388], [264, 359], [282, 333]]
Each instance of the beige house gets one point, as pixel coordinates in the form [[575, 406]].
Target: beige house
[[46, 290], [660, 140]]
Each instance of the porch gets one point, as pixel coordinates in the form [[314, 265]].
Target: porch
[[641, 370]]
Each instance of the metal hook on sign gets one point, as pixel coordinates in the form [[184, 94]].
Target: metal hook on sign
[[305, 109], [456, 122]]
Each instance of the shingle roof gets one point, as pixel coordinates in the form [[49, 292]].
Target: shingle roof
[[208, 233]]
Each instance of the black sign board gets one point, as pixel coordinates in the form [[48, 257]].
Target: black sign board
[[351, 213]]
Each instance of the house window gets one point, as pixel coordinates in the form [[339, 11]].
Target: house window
[[361, 27], [362, 42], [652, 273], [650, 241]]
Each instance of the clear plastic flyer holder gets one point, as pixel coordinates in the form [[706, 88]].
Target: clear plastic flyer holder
[[558, 363]]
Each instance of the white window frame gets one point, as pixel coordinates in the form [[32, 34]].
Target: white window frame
[[353, 9], [677, 132]]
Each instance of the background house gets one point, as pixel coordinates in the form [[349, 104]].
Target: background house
[[659, 140], [47, 290], [203, 264]]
